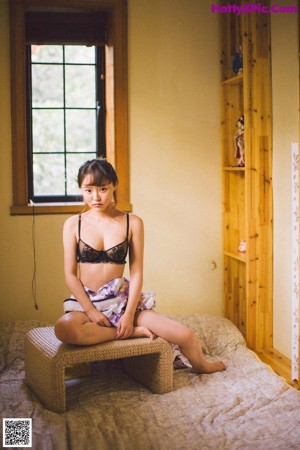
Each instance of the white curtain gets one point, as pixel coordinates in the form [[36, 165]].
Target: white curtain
[[295, 271]]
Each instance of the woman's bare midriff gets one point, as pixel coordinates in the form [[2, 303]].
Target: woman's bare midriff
[[94, 276]]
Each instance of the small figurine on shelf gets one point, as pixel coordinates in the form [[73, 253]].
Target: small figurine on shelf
[[237, 62], [239, 146], [242, 247]]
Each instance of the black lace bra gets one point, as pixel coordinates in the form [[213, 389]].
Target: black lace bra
[[114, 255]]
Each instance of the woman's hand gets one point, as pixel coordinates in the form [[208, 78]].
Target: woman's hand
[[98, 317], [125, 327]]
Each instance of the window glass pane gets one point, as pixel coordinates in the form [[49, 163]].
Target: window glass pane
[[81, 130], [48, 130], [64, 125], [49, 177], [80, 86], [79, 54], [47, 85], [73, 164], [47, 53]]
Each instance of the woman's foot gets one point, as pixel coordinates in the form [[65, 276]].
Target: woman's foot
[[142, 331], [210, 367]]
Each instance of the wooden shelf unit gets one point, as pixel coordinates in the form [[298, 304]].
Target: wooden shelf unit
[[247, 191]]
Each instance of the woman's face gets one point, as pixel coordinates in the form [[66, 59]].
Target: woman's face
[[97, 197]]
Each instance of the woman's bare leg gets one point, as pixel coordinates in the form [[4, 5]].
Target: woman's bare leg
[[179, 334], [76, 328]]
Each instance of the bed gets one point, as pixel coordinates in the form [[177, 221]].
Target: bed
[[246, 407]]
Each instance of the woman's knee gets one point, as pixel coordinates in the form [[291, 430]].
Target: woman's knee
[[66, 330], [191, 336], [186, 336]]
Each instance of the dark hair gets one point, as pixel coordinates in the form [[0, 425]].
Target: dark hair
[[100, 170]]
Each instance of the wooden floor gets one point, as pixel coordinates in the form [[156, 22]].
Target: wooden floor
[[279, 363]]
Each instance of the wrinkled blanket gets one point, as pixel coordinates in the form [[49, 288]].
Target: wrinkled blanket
[[246, 407]]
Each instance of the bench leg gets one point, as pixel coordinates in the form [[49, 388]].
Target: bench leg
[[45, 377], [154, 371]]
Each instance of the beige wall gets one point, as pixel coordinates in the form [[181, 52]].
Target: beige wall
[[175, 169], [174, 141], [285, 77]]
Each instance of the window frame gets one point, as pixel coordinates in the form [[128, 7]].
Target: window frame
[[116, 99]]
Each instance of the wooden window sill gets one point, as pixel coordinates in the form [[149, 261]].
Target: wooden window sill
[[57, 208]]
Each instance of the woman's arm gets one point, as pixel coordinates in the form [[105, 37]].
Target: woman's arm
[[136, 261], [71, 277]]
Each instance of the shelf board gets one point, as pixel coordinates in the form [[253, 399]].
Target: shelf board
[[234, 168], [238, 256], [237, 79]]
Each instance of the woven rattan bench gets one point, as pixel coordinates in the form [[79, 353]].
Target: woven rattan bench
[[46, 358]]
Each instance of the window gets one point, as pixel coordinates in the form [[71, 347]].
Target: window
[[66, 127], [78, 59]]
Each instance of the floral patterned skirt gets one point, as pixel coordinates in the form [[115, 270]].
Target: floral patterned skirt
[[111, 300]]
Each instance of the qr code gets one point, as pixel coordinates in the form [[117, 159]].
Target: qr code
[[17, 432]]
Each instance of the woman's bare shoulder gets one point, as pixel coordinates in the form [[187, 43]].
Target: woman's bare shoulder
[[136, 224], [71, 222], [135, 220]]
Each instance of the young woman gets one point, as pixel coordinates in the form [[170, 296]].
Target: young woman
[[104, 305]]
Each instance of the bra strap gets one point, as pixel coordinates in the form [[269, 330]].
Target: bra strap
[[79, 225], [127, 226]]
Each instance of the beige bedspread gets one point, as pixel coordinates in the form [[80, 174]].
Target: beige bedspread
[[245, 407]]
